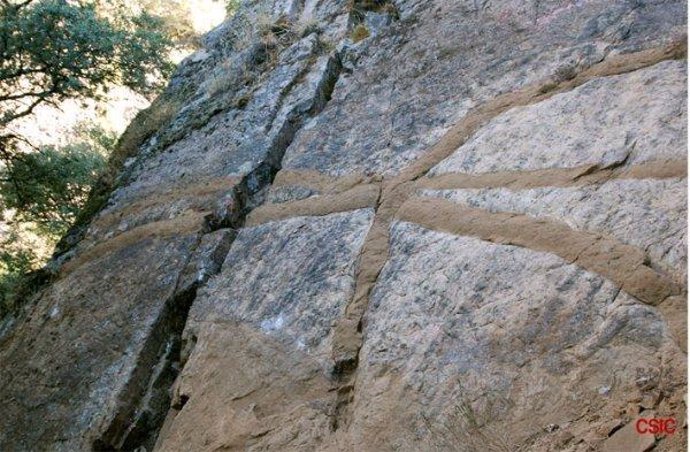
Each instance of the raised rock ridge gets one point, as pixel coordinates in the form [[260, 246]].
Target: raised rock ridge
[[465, 231]]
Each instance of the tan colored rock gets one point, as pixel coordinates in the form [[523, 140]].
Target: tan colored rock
[[273, 272], [675, 311], [627, 439]]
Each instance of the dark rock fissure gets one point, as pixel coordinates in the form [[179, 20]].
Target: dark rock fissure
[[249, 193], [146, 399]]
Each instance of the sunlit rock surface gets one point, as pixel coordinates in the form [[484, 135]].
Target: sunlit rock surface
[[466, 231]]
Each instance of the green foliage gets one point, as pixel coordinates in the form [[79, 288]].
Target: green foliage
[[50, 51], [232, 5], [53, 49], [175, 17], [49, 187], [18, 257], [42, 192]]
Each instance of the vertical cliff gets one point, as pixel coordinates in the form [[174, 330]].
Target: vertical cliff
[[381, 225]]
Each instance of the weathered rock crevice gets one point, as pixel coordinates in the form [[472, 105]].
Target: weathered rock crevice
[[250, 192], [147, 397], [559, 177], [625, 265], [144, 401]]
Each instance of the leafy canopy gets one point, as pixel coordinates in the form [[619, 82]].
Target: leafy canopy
[[48, 187], [55, 49], [50, 51], [41, 194]]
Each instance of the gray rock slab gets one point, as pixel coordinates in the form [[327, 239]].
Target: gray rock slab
[[462, 329], [259, 336], [408, 85], [66, 371], [647, 213], [288, 279], [631, 118]]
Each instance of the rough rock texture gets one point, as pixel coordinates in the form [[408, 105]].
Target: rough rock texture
[[445, 58], [466, 231], [270, 309], [649, 213], [598, 123], [83, 356], [501, 331]]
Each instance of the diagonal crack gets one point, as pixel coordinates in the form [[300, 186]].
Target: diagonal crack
[[146, 398]]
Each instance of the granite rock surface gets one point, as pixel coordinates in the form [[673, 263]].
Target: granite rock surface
[[462, 229]]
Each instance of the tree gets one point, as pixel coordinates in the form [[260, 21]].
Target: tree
[[41, 194], [48, 187], [51, 50], [176, 17]]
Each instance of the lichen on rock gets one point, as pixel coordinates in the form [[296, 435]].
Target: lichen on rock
[[464, 231]]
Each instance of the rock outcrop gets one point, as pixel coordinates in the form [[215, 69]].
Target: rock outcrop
[[382, 225]]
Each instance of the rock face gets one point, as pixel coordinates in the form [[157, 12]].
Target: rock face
[[465, 231]]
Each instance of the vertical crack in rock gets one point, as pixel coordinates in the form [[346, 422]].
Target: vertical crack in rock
[[249, 193], [145, 400], [348, 340]]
